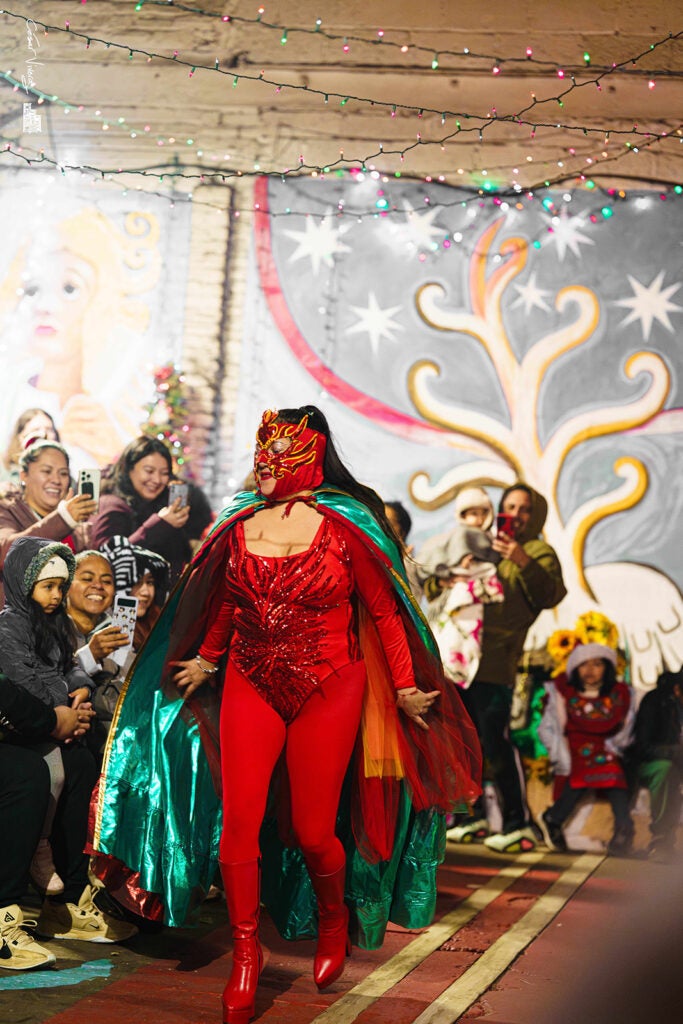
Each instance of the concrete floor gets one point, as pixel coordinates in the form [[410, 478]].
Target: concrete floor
[[535, 939]]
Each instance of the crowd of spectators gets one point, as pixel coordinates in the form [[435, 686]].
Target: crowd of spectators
[[64, 657]]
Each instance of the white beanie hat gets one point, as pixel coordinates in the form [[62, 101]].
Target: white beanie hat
[[474, 497], [584, 652], [54, 568]]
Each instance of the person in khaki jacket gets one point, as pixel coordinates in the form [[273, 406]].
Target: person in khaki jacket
[[532, 580]]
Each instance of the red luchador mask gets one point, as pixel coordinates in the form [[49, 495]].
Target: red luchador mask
[[292, 453]]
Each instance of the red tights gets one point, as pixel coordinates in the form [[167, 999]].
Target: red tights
[[318, 746]]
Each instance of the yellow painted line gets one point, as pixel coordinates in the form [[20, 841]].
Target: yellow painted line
[[451, 1004], [383, 978]]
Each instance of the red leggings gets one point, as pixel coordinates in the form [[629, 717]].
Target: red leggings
[[318, 746]]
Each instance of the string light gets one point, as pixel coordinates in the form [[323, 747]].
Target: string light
[[196, 11], [305, 88], [479, 127]]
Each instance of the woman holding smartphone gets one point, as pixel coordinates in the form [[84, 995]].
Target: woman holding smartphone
[[135, 503], [341, 745], [46, 505], [532, 580]]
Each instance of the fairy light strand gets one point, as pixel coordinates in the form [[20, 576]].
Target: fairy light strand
[[304, 170], [380, 38], [344, 98]]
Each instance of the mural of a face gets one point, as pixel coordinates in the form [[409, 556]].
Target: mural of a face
[[56, 290]]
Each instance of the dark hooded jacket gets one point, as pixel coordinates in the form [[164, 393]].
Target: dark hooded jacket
[[526, 592], [48, 680]]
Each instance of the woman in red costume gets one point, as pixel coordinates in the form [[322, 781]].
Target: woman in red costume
[[300, 612]]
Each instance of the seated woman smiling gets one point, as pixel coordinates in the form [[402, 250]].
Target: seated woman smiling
[[46, 506]]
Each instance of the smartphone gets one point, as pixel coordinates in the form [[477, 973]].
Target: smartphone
[[178, 490], [89, 483], [505, 523], [124, 616]]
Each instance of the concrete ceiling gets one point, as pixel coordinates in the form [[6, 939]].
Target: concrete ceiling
[[239, 123]]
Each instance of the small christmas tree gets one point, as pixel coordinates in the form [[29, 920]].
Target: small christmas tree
[[167, 415]]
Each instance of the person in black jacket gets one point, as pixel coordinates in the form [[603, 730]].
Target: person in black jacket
[[659, 756], [24, 793]]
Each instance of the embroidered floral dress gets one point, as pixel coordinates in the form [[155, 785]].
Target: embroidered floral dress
[[591, 723]]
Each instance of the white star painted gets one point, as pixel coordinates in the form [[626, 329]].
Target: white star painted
[[650, 303], [567, 233], [375, 322], [530, 296], [319, 242], [419, 229]]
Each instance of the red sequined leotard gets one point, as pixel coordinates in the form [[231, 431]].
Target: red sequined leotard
[[290, 622]]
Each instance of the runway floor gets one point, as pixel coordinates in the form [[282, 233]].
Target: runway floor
[[510, 935]]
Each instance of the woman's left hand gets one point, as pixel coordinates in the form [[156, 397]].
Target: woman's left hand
[[416, 703], [190, 677]]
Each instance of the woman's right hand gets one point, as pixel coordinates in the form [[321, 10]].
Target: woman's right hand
[[190, 677], [106, 641], [176, 514], [72, 722], [80, 506]]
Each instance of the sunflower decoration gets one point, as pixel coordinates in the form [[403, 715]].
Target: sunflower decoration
[[591, 628], [560, 645], [596, 628]]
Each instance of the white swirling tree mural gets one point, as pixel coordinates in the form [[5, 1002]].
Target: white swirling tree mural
[[643, 602], [462, 339]]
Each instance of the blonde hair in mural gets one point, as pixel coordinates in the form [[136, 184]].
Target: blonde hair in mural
[[80, 340], [503, 453]]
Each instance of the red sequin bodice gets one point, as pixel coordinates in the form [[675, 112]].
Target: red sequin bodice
[[292, 617]]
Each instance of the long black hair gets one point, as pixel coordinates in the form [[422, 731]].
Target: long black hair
[[334, 470], [608, 680], [119, 482], [53, 633]]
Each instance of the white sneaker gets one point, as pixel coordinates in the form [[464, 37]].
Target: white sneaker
[[18, 951], [520, 841], [85, 922], [470, 832], [43, 872]]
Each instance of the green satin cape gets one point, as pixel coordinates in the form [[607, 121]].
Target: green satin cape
[[158, 811]]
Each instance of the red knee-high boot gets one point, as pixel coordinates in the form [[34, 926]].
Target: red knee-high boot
[[333, 927], [242, 894]]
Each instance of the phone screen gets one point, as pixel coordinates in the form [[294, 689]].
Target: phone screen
[[505, 524], [124, 616], [177, 490]]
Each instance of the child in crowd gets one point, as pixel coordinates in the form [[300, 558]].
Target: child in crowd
[[465, 565], [36, 652], [586, 725], [458, 574]]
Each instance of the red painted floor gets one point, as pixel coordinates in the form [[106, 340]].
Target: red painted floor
[[615, 935]]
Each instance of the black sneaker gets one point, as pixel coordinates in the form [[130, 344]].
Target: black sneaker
[[621, 844], [553, 834]]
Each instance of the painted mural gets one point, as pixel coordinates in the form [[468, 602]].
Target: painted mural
[[85, 310], [453, 339]]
